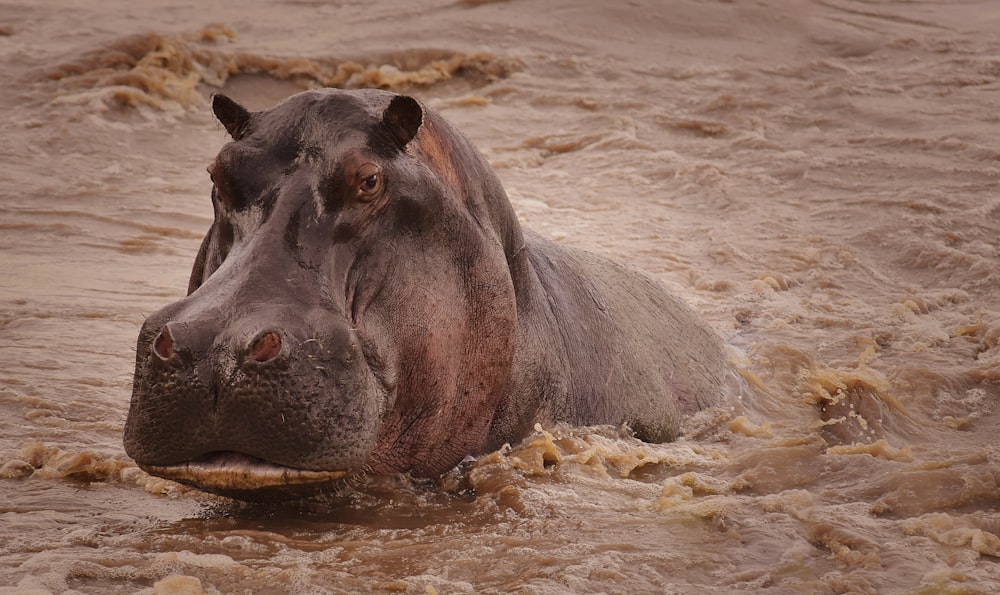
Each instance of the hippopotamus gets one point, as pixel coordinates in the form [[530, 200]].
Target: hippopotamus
[[366, 302]]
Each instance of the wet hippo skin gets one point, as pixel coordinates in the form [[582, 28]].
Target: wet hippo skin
[[367, 302]]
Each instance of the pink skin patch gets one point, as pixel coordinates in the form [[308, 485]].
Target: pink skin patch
[[266, 348], [164, 344]]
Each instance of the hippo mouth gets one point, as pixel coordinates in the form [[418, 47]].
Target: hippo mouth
[[232, 472]]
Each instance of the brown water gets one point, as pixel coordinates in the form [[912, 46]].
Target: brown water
[[821, 179]]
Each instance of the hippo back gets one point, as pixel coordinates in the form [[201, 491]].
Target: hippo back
[[633, 353]]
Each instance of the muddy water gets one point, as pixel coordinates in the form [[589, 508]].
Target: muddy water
[[820, 179]]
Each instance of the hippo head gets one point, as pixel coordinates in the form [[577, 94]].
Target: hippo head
[[350, 310]]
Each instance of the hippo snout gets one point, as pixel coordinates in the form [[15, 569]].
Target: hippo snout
[[251, 402]]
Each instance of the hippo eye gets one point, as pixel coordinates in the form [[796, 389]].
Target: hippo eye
[[370, 181]]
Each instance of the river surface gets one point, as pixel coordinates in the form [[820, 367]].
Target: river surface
[[820, 179]]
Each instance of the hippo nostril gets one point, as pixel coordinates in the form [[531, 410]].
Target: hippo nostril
[[266, 347], [163, 344]]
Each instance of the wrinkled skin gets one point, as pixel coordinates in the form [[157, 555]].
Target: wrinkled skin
[[366, 301]]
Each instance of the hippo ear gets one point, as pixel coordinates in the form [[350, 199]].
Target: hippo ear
[[403, 118], [232, 115]]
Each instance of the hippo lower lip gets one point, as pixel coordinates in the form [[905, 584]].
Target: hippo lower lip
[[228, 471]]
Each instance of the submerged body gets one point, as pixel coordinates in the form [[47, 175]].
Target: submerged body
[[366, 301]]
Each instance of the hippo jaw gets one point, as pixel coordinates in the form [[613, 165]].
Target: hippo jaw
[[237, 474]]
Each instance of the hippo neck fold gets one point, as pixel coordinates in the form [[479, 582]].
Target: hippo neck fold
[[456, 160]]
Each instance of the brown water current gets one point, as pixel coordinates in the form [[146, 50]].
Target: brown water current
[[820, 179]]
